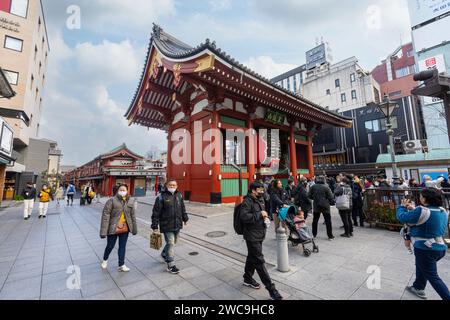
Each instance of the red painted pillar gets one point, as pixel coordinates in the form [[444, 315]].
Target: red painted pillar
[[169, 153], [252, 152], [293, 153], [215, 182], [156, 185], [310, 155]]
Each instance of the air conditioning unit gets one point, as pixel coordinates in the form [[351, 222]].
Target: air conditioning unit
[[415, 146]]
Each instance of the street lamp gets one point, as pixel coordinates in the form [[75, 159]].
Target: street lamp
[[387, 108]]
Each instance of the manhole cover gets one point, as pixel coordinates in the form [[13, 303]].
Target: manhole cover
[[193, 253], [216, 234]]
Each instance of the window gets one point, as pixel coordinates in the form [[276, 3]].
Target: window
[[35, 52], [13, 43], [337, 83], [354, 97], [39, 23], [43, 42], [328, 92], [37, 93], [403, 72], [13, 77], [378, 125], [32, 82], [343, 97], [410, 53], [40, 67], [352, 77], [19, 8]]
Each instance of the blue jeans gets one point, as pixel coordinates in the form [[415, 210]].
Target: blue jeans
[[168, 253], [426, 270], [123, 238]]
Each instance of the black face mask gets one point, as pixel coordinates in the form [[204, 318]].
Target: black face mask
[[260, 195]]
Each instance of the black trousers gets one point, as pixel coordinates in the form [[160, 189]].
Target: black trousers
[[69, 197], [358, 212], [346, 216], [327, 217], [123, 238], [255, 261]]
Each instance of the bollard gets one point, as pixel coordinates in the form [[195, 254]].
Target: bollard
[[282, 250]]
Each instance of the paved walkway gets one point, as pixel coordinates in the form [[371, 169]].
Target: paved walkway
[[35, 257]]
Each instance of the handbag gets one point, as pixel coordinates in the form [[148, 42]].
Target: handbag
[[122, 226], [343, 201], [155, 241]]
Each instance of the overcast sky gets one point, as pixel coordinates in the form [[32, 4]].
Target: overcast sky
[[93, 71]]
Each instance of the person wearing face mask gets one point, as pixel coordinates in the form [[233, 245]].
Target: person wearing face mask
[[255, 222], [169, 215], [118, 221]]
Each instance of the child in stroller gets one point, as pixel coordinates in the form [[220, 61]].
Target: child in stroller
[[299, 233]]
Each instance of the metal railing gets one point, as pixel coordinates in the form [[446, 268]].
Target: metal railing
[[380, 205]]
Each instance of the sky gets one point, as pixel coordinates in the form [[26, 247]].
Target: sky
[[98, 48]]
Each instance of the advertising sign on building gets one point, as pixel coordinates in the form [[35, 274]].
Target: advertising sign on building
[[421, 11], [316, 57], [435, 62]]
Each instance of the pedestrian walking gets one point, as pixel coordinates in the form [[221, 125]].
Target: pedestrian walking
[[59, 195], [322, 196], [29, 195], [428, 225], [70, 193], [301, 198], [254, 220], [44, 199], [118, 221], [344, 203], [169, 215]]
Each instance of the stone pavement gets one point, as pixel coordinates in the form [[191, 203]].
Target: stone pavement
[[35, 256]]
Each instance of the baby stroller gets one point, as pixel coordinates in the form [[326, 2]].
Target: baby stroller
[[302, 236]]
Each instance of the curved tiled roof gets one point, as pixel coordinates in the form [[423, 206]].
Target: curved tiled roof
[[176, 49]]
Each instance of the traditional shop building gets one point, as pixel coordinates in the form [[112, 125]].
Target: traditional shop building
[[119, 166], [202, 90]]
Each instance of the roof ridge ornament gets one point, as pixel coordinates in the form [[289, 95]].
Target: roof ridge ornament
[[157, 31]]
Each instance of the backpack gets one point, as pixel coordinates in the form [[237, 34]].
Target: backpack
[[343, 201], [237, 223], [71, 189]]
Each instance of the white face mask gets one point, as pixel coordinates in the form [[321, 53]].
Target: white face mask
[[123, 193], [171, 190]]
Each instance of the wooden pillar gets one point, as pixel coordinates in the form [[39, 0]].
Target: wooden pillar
[[293, 152], [252, 152], [216, 195], [188, 166], [310, 154]]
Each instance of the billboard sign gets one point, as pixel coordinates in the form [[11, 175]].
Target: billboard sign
[[316, 57], [421, 11], [434, 62]]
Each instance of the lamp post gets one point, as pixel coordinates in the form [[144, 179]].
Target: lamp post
[[387, 108]]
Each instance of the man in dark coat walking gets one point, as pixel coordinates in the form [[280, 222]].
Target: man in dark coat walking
[[254, 219], [323, 198], [301, 197], [169, 213]]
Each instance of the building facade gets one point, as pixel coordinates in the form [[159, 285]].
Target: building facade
[[429, 20], [119, 166], [202, 95], [23, 55]]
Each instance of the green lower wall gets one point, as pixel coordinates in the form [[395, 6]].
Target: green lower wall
[[230, 187]]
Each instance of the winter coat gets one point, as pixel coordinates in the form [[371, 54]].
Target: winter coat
[[169, 212], [322, 196], [302, 200], [29, 193], [111, 215], [45, 195], [356, 195], [251, 216], [278, 199]]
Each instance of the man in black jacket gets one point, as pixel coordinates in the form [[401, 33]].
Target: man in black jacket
[[169, 213], [322, 196], [254, 218], [29, 196]]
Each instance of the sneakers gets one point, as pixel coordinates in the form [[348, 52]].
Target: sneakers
[[419, 293], [345, 235], [173, 270], [331, 239], [40, 217], [26, 218], [104, 264], [351, 234], [275, 295], [124, 268], [252, 284]]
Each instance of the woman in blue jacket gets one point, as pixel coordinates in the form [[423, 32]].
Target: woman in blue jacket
[[428, 224]]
